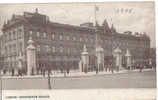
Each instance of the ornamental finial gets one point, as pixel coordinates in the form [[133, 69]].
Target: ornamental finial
[[85, 48]]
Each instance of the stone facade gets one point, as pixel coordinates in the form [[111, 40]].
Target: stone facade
[[59, 46]]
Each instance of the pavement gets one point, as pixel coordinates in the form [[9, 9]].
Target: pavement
[[76, 74], [131, 79]]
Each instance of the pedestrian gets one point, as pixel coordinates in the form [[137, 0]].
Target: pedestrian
[[96, 70], [112, 68], [49, 80], [12, 72], [67, 70], [140, 67], [106, 68], [44, 72]]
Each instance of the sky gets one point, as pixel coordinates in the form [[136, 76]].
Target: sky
[[125, 16]]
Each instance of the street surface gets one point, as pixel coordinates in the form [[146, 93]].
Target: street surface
[[145, 79]]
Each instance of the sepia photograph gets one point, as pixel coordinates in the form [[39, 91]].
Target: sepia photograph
[[55, 46]]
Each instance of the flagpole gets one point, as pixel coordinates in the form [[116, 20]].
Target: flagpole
[[95, 21], [95, 15], [96, 40]]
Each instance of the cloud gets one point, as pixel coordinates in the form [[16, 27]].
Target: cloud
[[141, 19]]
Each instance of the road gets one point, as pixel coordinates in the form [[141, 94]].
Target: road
[[122, 80]]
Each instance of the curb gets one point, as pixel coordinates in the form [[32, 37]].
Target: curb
[[75, 76]]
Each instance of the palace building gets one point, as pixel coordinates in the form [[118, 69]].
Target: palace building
[[64, 47]]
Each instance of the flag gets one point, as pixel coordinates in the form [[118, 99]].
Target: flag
[[96, 8]]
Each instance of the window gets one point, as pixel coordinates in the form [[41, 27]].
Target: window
[[6, 50], [14, 50], [68, 38], [44, 35], [68, 50], [61, 49], [74, 38], [60, 37], [91, 40], [53, 36], [30, 34], [74, 50], [47, 48], [6, 37], [86, 39], [53, 49], [10, 49], [20, 46], [38, 48], [14, 35], [9, 38], [20, 33], [38, 34], [80, 38]]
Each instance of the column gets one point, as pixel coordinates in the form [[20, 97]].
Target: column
[[31, 58], [85, 59]]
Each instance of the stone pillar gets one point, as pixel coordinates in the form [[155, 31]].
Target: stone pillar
[[20, 61], [128, 56], [31, 58], [85, 59], [100, 57], [80, 65], [118, 55]]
